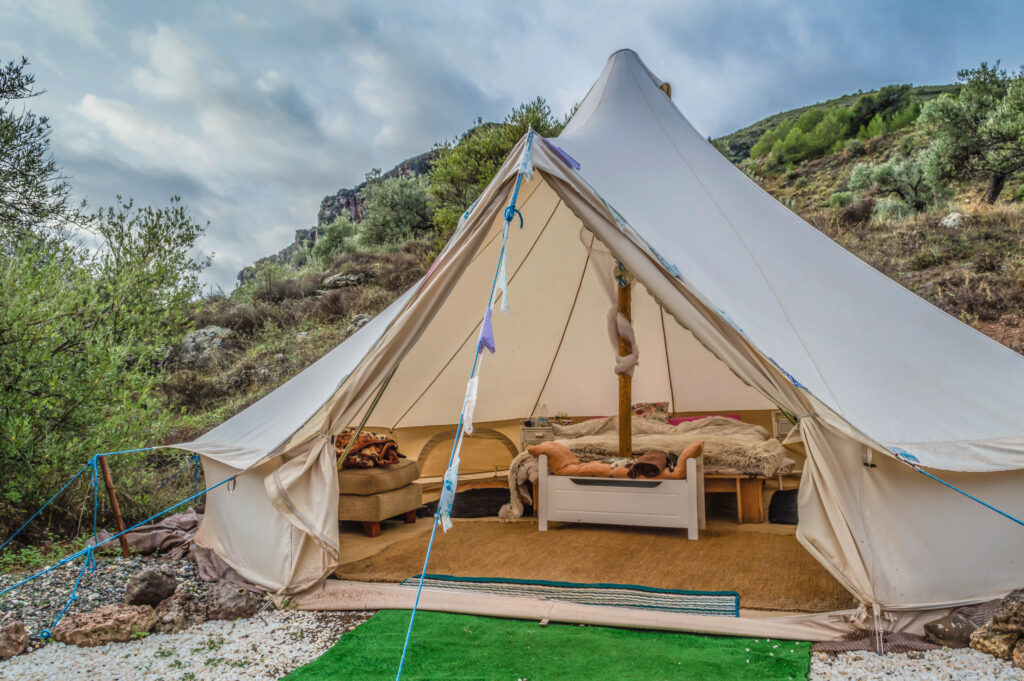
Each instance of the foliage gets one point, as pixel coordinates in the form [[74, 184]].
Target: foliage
[[818, 131], [981, 131], [840, 199], [338, 237], [34, 195], [83, 332], [464, 168], [397, 208], [903, 181]]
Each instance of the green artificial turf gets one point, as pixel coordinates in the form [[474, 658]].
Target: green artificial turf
[[463, 647]]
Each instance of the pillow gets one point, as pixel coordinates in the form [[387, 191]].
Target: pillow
[[676, 420], [655, 411]]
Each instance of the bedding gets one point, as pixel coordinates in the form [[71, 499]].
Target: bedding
[[561, 461], [728, 443]]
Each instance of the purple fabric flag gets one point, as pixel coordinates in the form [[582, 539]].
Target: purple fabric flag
[[563, 154], [486, 334]]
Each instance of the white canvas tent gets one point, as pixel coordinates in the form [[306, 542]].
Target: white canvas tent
[[742, 305]]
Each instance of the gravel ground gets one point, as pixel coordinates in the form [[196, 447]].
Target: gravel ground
[[964, 664], [256, 649], [37, 603]]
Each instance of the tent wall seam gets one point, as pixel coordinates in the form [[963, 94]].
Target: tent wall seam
[[739, 238], [565, 328], [668, 362], [475, 329]]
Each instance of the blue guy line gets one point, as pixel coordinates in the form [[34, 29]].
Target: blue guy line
[[969, 496], [510, 212], [90, 549]]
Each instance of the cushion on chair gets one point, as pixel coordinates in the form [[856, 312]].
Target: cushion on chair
[[376, 507], [377, 479]]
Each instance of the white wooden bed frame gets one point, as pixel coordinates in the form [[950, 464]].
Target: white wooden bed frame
[[623, 501]]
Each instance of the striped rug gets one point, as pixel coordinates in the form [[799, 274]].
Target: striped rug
[[723, 603]]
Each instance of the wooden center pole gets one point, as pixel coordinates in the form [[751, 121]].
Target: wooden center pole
[[625, 380], [114, 506]]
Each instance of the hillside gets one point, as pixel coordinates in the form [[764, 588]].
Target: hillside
[[736, 145]]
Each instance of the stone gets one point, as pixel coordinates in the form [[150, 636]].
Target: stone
[[229, 602], [344, 280], [149, 587], [106, 624], [1009, 616], [13, 640], [953, 220], [990, 642], [198, 347], [953, 631], [182, 610], [358, 322], [1018, 654]]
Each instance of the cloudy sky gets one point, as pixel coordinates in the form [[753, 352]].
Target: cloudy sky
[[253, 111]]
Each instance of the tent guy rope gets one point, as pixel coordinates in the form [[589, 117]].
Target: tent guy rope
[[486, 339]]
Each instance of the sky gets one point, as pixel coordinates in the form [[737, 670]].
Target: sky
[[253, 111]]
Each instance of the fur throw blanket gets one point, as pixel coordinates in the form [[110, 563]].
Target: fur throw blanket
[[727, 443], [523, 468]]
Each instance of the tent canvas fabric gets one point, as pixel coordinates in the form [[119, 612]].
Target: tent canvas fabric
[[740, 305]]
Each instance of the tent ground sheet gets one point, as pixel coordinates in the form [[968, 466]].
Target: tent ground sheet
[[768, 568], [463, 647]]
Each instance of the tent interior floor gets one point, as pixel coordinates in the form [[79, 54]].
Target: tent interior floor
[[764, 563]]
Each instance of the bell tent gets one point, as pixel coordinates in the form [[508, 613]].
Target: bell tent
[[739, 305]]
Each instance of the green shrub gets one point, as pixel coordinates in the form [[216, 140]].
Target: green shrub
[[840, 199], [904, 184], [396, 209], [340, 236]]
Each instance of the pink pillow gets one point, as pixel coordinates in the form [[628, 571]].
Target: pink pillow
[[676, 420]]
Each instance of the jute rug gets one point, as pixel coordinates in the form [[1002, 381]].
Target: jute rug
[[769, 571]]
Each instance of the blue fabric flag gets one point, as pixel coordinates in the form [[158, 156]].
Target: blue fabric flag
[[486, 339]]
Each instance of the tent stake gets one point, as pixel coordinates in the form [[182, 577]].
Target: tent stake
[[366, 417], [625, 380], [114, 506]]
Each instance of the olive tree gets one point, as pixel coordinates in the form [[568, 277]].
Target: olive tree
[[979, 132]]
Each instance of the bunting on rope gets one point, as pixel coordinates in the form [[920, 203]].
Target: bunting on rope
[[486, 339]]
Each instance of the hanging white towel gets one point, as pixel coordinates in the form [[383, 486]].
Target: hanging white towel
[[470, 405]]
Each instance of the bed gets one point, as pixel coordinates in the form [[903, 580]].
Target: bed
[[736, 458], [671, 500]]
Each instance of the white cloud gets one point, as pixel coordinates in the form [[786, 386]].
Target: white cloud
[[72, 18], [150, 143]]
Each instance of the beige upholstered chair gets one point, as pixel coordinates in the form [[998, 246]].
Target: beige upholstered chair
[[371, 495]]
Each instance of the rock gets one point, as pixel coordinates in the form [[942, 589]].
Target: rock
[[953, 631], [1009, 616], [1018, 654], [13, 640], [149, 587], [229, 602], [180, 611], [302, 336], [1001, 645], [106, 624], [953, 220], [198, 347], [343, 280], [358, 322]]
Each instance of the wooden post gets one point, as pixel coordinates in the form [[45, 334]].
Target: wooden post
[[625, 380], [118, 520]]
